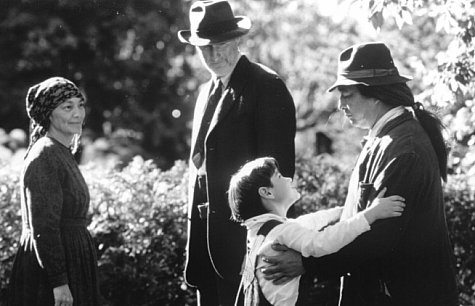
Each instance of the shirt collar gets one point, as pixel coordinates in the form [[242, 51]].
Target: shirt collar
[[390, 115], [261, 219]]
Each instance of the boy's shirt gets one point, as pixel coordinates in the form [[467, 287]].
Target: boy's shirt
[[303, 235]]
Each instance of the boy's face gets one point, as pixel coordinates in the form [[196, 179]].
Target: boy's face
[[283, 190]]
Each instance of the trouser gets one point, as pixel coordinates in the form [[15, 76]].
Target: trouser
[[215, 291], [218, 292]]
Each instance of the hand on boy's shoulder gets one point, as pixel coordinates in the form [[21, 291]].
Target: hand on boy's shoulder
[[283, 267]]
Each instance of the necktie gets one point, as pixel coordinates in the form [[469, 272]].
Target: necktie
[[213, 99]]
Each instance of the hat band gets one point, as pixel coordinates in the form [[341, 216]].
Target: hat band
[[369, 73], [217, 28]]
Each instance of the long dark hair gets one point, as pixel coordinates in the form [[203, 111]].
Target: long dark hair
[[401, 94]]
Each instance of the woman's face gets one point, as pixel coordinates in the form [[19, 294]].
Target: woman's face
[[67, 118], [357, 108]]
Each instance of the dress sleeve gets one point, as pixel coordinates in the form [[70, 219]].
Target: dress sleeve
[[319, 243], [44, 200]]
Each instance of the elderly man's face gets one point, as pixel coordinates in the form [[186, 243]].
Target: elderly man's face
[[219, 59], [358, 109]]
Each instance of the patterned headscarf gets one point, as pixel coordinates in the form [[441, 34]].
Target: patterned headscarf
[[43, 98]]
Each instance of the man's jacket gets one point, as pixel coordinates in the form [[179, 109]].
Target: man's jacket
[[401, 261], [254, 118]]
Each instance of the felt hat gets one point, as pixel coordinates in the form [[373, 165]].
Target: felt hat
[[213, 22], [368, 64]]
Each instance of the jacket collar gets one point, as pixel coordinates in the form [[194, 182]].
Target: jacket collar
[[385, 129], [407, 115], [238, 81]]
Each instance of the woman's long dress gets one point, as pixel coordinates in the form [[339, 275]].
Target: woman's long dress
[[56, 247]]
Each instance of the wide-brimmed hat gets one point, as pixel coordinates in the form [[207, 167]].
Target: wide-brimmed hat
[[213, 22], [368, 64]]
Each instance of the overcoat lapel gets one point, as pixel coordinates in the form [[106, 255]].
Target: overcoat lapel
[[199, 112], [232, 92]]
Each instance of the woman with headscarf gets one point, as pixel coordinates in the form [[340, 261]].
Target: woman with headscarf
[[56, 262]]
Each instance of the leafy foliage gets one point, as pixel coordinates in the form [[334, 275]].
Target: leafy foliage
[[139, 223], [124, 54], [460, 209], [322, 182], [11, 223], [138, 220], [449, 86], [141, 81]]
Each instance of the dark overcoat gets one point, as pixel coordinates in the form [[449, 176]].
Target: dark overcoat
[[254, 118], [406, 260]]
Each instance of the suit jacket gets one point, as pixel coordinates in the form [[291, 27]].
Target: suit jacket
[[406, 260], [254, 118]]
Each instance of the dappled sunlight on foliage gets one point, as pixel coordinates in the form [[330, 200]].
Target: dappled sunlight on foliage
[[460, 209], [10, 220], [450, 85], [322, 183], [139, 224], [138, 221]]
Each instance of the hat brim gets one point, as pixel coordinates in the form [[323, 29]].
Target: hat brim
[[193, 38], [373, 81]]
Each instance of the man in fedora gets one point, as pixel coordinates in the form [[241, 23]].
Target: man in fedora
[[404, 261], [243, 112]]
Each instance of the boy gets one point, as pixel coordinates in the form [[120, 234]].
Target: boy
[[257, 194]]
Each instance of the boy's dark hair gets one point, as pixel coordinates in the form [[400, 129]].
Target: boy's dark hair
[[243, 193]]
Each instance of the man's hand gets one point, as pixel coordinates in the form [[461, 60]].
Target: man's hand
[[283, 267], [62, 296]]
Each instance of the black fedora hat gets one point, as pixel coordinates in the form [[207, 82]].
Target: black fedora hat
[[212, 22], [368, 64]]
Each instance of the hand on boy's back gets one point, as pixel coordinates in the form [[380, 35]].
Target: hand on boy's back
[[283, 267]]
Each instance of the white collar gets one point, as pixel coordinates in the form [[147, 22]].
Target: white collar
[[390, 115], [261, 219]]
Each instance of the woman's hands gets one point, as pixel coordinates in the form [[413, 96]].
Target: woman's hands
[[62, 296], [382, 208]]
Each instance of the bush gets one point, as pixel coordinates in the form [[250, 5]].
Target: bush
[[139, 224], [460, 210], [138, 220], [10, 223], [323, 183]]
